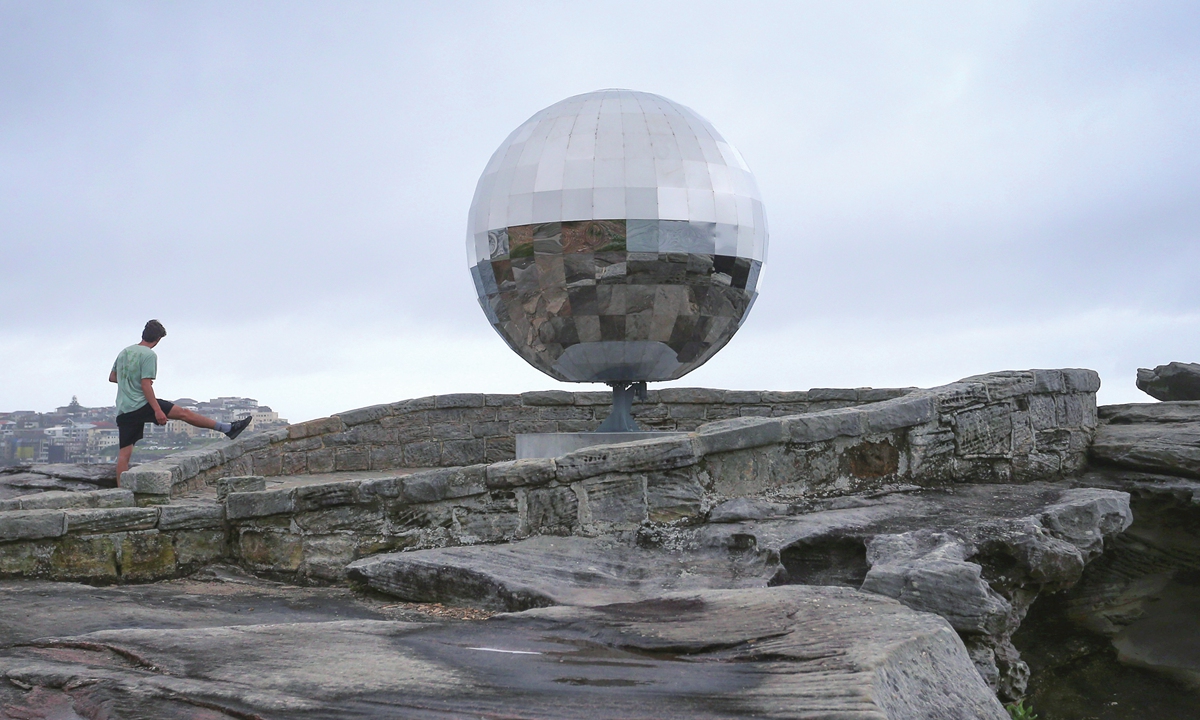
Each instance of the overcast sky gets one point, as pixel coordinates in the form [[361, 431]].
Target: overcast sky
[[952, 188]]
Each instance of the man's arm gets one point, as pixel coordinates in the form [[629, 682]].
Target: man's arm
[[112, 376], [160, 418]]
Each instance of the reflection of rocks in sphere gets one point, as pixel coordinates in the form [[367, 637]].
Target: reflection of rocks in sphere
[[616, 236]]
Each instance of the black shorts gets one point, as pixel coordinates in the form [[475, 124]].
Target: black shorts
[[132, 424]]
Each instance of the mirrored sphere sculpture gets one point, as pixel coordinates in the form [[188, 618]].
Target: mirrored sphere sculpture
[[616, 237]]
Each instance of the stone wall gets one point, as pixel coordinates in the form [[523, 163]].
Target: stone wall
[[1010, 427], [463, 429], [103, 537]]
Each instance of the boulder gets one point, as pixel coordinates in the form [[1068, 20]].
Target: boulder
[[545, 571], [1173, 381]]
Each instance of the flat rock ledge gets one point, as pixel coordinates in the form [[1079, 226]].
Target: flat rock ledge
[[1150, 437], [18, 480], [786, 652]]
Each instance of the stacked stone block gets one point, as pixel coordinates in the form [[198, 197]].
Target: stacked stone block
[[103, 536]]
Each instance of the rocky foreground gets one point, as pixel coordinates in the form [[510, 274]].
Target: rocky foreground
[[221, 650], [1078, 591]]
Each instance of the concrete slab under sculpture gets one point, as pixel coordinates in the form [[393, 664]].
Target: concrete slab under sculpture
[[552, 445]]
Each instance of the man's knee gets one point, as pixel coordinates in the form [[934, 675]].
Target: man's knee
[[187, 416]]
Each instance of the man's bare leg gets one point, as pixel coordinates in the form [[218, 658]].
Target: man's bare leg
[[191, 418], [123, 456], [231, 430]]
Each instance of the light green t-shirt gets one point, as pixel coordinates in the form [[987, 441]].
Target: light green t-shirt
[[132, 365]]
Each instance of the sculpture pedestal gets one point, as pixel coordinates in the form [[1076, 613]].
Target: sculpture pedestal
[[549, 445]]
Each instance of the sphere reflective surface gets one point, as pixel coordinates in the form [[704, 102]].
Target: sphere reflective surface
[[616, 236]]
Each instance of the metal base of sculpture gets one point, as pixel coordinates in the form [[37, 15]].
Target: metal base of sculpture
[[621, 417]]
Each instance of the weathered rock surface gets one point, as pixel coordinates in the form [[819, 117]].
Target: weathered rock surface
[[1173, 381], [17, 480], [794, 652], [977, 555], [545, 571], [1145, 593], [1156, 438], [1124, 639]]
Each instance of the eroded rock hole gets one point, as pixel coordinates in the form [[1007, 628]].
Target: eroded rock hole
[[1124, 642], [833, 561], [873, 459]]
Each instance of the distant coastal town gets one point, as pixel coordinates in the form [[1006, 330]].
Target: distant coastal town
[[77, 434]]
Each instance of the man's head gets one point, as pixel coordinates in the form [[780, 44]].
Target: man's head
[[153, 332]]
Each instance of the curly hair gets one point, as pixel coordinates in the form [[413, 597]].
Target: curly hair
[[153, 332]]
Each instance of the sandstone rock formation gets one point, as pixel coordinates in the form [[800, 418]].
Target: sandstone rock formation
[[1173, 381], [966, 505], [17, 480], [977, 555], [794, 652], [1156, 438]]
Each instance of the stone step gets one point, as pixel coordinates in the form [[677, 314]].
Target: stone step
[[61, 499]]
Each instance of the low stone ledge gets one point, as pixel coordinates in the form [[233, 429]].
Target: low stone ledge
[[405, 407], [191, 516], [239, 483], [690, 396], [60, 500], [739, 434], [640, 455], [253, 442], [826, 425], [461, 400], [153, 478], [32, 524], [386, 488], [444, 484], [899, 413], [784, 397], [110, 520], [1080, 380], [320, 426], [836, 394], [241, 505], [593, 398], [962, 395], [323, 495], [230, 452], [547, 397], [364, 415], [521, 473]]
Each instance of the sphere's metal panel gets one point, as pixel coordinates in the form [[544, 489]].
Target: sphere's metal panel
[[616, 236]]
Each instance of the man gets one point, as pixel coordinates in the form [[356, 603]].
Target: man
[[134, 371]]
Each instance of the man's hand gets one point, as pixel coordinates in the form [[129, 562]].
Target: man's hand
[[160, 417]]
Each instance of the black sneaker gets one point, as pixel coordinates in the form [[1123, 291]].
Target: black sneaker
[[238, 427]]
